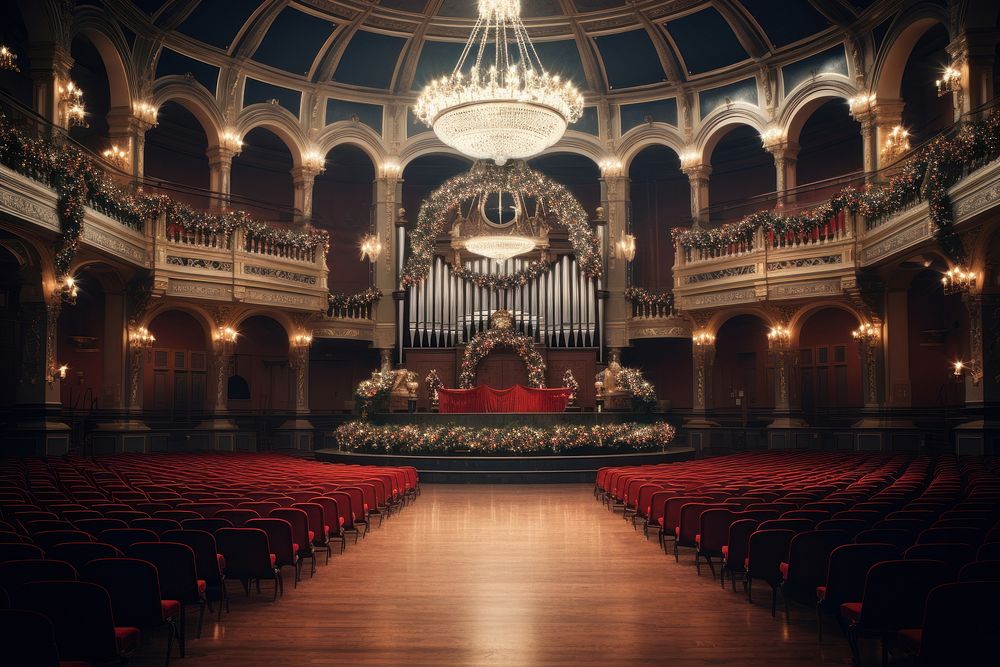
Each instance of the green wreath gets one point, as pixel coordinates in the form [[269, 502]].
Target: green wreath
[[484, 342]]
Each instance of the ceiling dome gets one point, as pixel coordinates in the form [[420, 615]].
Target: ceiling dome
[[603, 46]]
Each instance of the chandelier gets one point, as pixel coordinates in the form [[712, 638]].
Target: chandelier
[[507, 107], [499, 248]]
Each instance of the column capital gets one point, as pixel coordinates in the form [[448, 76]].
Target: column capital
[[697, 172], [220, 156], [305, 174], [783, 150]]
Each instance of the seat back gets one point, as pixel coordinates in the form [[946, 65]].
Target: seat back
[[80, 635], [43, 525], [208, 525], [960, 624], [765, 552], [316, 516], [97, 526], [48, 539], [850, 526], [955, 555], [16, 573], [79, 554], [175, 566], [794, 525], [714, 529], [672, 510], [123, 538], [895, 593], [848, 568], [279, 537], [970, 536], [28, 638], [247, 552], [134, 587], [237, 517], [900, 538], [981, 570], [738, 542], [989, 551], [299, 522], [205, 550], [689, 523], [158, 526], [261, 507], [808, 560]]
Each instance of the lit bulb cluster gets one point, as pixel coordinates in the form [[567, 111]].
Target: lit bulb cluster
[[117, 156], [703, 339], [772, 136], [689, 159], [950, 81], [611, 167], [958, 280], [866, 333], [371, 247], [68, 290], [60, 372], [314, 161], [302, 340], [861, 104], [510, 109], [897, 143], [625, 247], [226, 334], [779, 337], [141, 338], [146, 112], [8, 60], [232, 141], [71, 99]]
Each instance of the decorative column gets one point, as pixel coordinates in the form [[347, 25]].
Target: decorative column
[[698, 176], [888, 116], [703, 351], [869, 337], [128, 132], [387, 194], [220, 170], [782, 352], [297, 432], [972, 56], [50, 67], [303, 180], [218, 431], [615, 193], [785, 154], [869, 145]]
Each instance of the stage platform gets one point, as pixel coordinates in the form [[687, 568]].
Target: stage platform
[[503, 419], [459, 469]]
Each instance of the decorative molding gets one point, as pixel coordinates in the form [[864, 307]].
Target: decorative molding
[[338, 333], [660, 332], [291, 300], [729, 272], [977, 202], [33, 211], [268, 272], [901, 239], [200, 263], [808, 289], [114, 244], [743, 295], [199, 290], [805, 262]]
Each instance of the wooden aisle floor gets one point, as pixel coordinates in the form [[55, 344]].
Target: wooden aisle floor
[[506, 575]]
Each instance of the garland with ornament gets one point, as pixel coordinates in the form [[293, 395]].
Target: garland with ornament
[[360, 436], [927, 175], [80, 181], [633, 381], [483, 343], [484, 178], [639, 296], [341, 301], [373, 392]]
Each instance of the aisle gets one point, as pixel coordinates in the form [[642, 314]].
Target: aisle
[[507, 575]]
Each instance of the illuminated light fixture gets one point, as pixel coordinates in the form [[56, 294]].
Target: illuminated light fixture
[[957, 280], [950, 82], [226, 335], [779, 337], [68, 290], [141, 338], [611, 167], [689, 159], [897, 143], [371, 248], [499, 248], [507, 107], [314, 161], [231, 141], [772, 136], [703, 339], [145, 112], [302, 340], [60, 372], [861, 103], [625, 247], [391, 169], [116, 156], [71, 99], [975, 371], [8, 60], [867, 333]]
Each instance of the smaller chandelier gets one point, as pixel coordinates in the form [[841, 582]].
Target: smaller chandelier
[[861, 104], [779, 337], [957, 280], [371, 248], [71, 98], [232, 142], [302, 340], [314, 161], [226, 335], [703, 339], [146, 112], [116, 156], [625, 247], [68, 290], [950, 81], [866, 333], [897, 143], [507, 107], [141, 338], [499, 248], [8, 60]]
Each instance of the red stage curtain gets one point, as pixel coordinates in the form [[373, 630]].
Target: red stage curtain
[[514, 399]]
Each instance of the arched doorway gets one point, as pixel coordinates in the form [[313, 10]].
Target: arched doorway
[[660, 199], [829, 365], [741, 374], [176, 373], [260, 357], [262, 177]]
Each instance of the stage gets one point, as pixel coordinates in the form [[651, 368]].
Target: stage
[[501, 419], [456, 469]]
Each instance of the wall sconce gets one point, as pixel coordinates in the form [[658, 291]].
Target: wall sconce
[[231, 141], [71, 99], [950, 82], [8, 60], [897, 143], [391, 168], [957, 281], [302, 340], [703, 339], [689, 159], [974, 369], [772, 136], [146, 112], [371, 248], [867, 333], [226, 335], [625, 247], [861, 104], [779, 337], [611, 167], [116, 156], [314, 161], [141, 338], [68, 290], [59, 373]]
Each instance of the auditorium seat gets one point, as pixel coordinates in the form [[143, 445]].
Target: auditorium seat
[[847, 570], [178, 576], [248, 557], [765, 552], [959, 625]]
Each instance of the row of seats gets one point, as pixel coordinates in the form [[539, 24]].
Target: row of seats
[[95, 552], [880, 541]]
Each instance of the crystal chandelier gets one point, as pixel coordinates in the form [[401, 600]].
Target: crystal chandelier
[[507, 107], [499, 248]]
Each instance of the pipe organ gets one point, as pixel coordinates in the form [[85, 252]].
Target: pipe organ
[[559, 309]]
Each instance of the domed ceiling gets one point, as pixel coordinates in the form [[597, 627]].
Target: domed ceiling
[[602, 45]]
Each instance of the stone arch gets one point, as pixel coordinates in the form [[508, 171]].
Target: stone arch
[[804, 101], [577, 143], [720, 123], [426, 144], [801, 315], [36, 258], [278, 120], [280, 317], [110, 43], [195, 311], [196, 99], [639, 138], [718, 319], [887, 71], [354, 134]]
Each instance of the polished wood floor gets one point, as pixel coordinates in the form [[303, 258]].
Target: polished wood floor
[[506, 575]]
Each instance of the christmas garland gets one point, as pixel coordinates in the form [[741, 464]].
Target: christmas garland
[[482, 344], [927, 175], [639, 296], [80, 181], [633, 381], [360, 436], [484, 178], [373, 392], [341, 301]]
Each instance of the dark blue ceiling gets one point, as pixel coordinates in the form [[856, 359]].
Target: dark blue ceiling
[[787, 21], [217, 22], [700, 52], [630, 59], [292, 42], [369, 60]]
